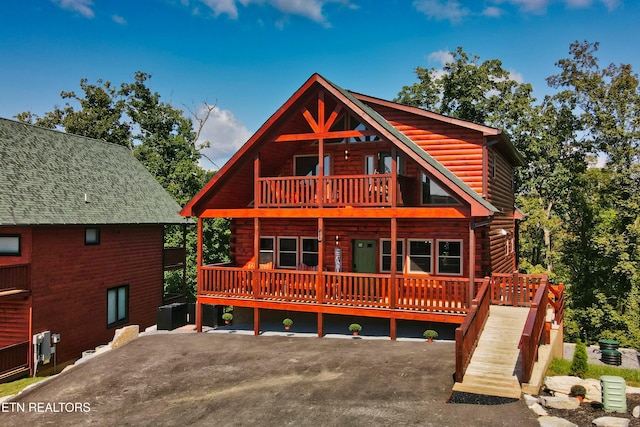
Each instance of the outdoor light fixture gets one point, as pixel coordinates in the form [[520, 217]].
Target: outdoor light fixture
[[346, 154], [319, 234], [337, 240], [504, 232]]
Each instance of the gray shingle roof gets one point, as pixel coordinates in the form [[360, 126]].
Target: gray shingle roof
[[45, 175]]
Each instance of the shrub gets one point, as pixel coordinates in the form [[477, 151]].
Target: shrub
[[355, 327], [579, 361], [287, 322], [578, 390], [227, 316], [430, 334]]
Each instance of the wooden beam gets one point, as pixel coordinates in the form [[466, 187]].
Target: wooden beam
[[333, 117], [309, 118], [425, 316], [325, 134], [321, 123], [320, 325], [392, 329], [371, 212], [256, 321]]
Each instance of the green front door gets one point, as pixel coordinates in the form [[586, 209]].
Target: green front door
[[364, 256]]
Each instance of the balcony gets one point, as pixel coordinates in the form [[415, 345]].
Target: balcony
[[447, 297], [333, 191], [15, 280]]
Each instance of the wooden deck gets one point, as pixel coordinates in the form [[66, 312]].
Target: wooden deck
[[414, 297], [495, 368]]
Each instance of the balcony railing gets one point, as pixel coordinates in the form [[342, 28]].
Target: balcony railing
[[444, 295], [342, 190], [15, 277]]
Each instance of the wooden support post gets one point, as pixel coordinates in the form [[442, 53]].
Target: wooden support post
[[392, 190], [256, 257], [472, 262], [320, 325], [257, 196], [320, 276], [393, 286], [392, 328], [256, 321], [199, 275]]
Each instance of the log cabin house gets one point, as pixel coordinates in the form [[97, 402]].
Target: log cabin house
[[81, 243], [343, 203]]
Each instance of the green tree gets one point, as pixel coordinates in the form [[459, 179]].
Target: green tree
[[160, 136], [579, 363]]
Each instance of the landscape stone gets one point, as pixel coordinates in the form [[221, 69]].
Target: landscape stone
[[559, 402], [555, 422], [124, 335], [530, 400], [563, 383], [636, 412], [611, 422], [538, 409]]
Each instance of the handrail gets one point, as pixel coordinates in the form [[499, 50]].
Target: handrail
[[533, 328], [468, 334], [557, 301]]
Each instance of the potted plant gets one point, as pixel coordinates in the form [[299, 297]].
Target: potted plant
[[578, 392], [430, 335], [287, 323], [227, 317], [355, 328]]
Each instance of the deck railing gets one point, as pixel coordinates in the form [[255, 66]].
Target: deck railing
[[15, 277], [341, 190], [442, 295], [533, 328], [515, 289], [14, 357], [468, 334]]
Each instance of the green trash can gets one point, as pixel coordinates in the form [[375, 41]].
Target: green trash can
[[614, 393]]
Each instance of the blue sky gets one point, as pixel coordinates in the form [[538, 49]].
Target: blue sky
[[249, 56]]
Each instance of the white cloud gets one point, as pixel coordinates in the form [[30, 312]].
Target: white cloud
[[119, 20], [441, 56], [83, 7], [222, 6], [439, 10], [540, 6], [226, 135], [311, 9], [493, 12]]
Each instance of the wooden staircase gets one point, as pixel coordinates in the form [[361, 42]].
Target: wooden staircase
[[495, 368]]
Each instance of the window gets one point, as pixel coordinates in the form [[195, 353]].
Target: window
[[382, 164], [433, 194], [117, 306], [266, 250], [288, 252], [310, 251], [385, 248], [91, 236], [450, 257], [308, 165], [10, 244], [420, 255]]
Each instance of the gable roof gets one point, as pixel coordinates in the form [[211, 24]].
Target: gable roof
[[46, 175], [368, 116]]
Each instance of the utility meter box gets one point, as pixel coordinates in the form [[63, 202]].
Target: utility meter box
[[614, 393]]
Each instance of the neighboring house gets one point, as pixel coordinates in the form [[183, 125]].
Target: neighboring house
[[319, 193], [81, 242]]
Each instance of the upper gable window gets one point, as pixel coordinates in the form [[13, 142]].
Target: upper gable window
[[9, 244], [348, 122], [382, 164], [433, 194]]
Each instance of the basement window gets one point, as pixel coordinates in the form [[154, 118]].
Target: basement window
[[117, 306], [9, 245], [91, 236]]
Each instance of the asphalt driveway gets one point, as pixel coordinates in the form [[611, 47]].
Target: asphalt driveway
[[238, 380]]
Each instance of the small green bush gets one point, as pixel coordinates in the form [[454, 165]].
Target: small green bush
[[227, 316], [355, 327], [579, 363], [287, 322], [578, 390], [430, 334]]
